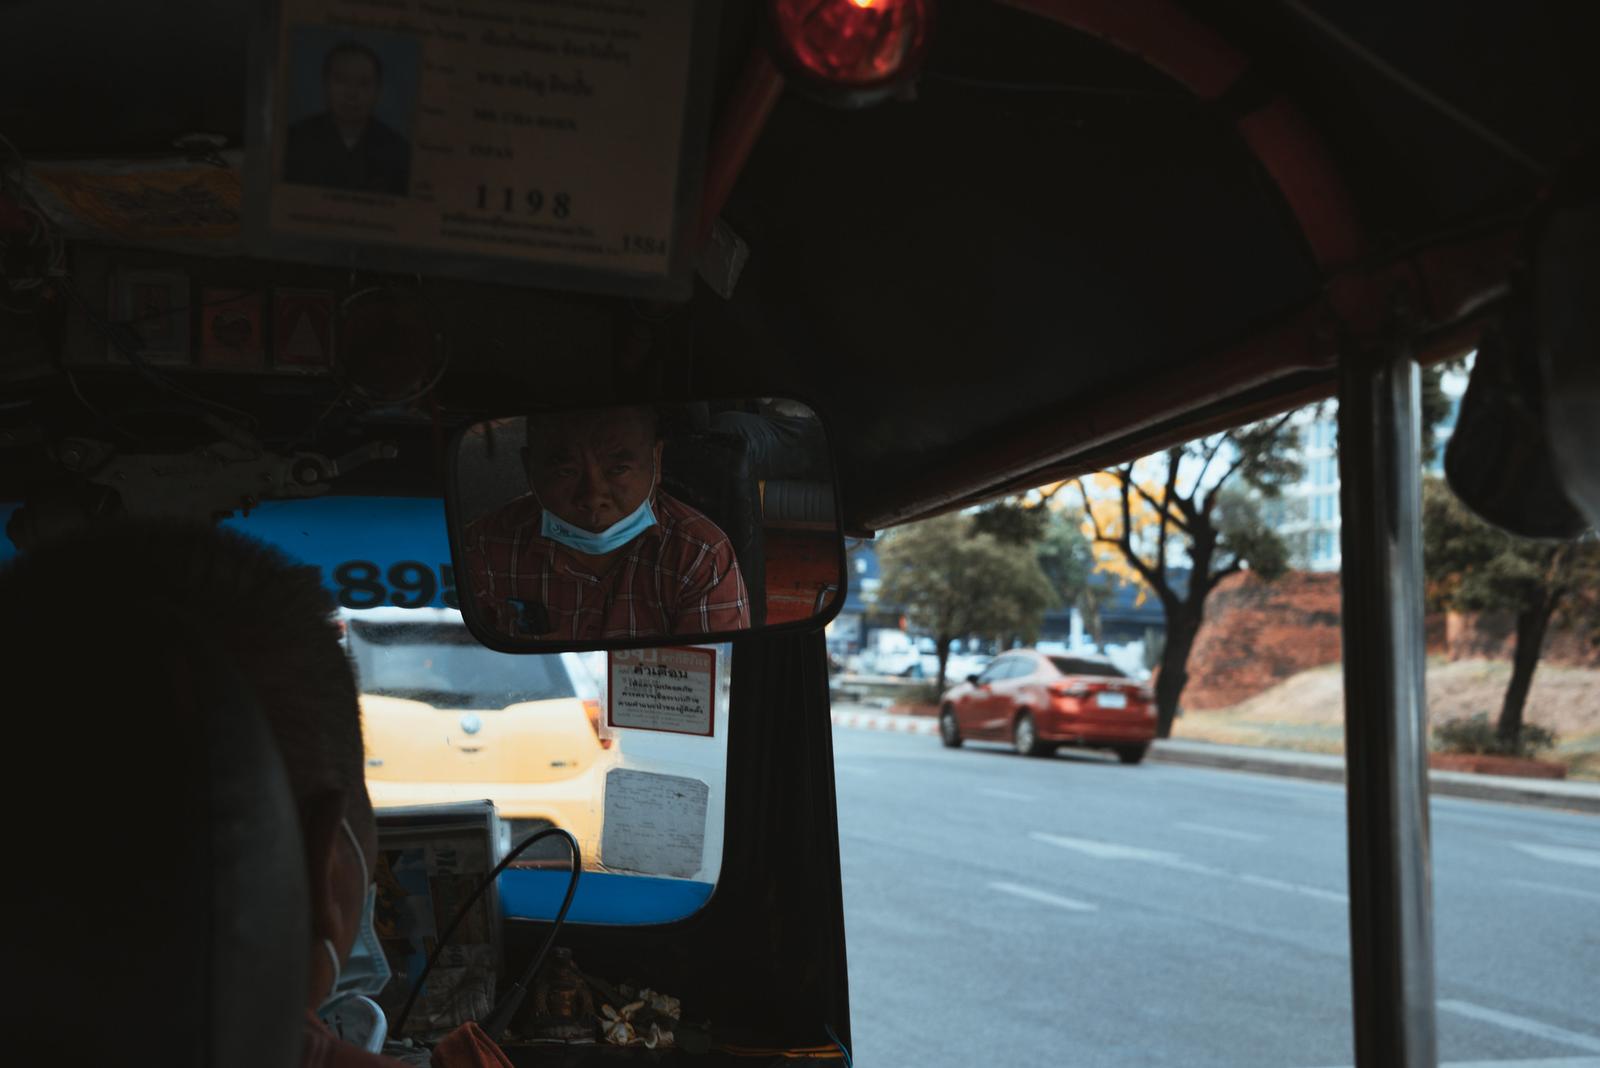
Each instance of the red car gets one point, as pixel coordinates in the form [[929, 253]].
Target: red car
[[1039, 703]]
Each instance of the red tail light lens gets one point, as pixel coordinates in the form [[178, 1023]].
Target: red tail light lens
[[1069, 689], [592, 708], [855, 44]]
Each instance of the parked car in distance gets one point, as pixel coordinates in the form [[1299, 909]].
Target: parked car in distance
[[1039, 703]]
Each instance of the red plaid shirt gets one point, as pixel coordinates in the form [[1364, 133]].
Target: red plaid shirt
[[678, 577]]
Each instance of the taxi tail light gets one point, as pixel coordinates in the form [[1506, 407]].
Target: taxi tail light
[[852, 44], [591, 708], [1069, 689]]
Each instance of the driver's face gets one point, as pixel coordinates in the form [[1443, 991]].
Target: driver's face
[[592, 470], [352, 88]]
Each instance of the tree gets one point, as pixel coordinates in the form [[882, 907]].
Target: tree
[[1202, 499], [1055, 534], [1472, 566], [955, 580]]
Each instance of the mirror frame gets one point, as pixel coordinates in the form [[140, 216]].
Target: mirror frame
[[502, 644]]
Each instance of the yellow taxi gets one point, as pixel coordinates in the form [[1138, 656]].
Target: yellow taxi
[[446, 719]]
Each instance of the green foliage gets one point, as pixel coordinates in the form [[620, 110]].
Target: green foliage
[[1243, 532], [923, 693], [1011, 522], [955, 581], [1066, 557], [1267, 455], [1472, 566], [1476, 735]]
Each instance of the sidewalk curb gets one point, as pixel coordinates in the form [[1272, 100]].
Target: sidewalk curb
[[1319, 767], [1535, 792], [883, 721]]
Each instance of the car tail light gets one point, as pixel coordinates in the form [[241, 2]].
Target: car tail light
[[1069, 689], [592, 708], [852, 44]]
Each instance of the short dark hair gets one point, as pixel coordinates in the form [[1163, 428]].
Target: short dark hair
[[268, 618], [348, 47]]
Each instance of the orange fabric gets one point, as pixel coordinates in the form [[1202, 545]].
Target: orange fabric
[[468, 1047]]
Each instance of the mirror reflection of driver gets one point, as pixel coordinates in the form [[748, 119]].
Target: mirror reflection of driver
[[597, 549], [347, 146]]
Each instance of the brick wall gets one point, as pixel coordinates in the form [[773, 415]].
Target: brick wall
[[1492, 636], [1257, 634]]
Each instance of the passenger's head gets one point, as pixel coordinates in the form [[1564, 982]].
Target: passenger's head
[[216, 599], [352, 75], [593, 468]]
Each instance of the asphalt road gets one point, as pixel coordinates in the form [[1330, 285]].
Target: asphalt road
[[1002, 910]]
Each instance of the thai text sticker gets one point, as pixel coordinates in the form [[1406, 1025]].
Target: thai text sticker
[[670, 689]]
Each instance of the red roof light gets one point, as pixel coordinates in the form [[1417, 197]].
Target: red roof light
[[852, 44]]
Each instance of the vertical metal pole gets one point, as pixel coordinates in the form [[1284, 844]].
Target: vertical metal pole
[[1391, 895]]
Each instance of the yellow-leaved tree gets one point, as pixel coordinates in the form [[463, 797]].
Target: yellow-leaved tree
[[1196, 504]]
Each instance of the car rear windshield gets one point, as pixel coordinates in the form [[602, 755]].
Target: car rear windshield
[[1071, 665], [443, 665]]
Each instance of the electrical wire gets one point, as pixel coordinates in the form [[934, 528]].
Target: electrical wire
[[519, 989], [1423, 94], [846, 1053]]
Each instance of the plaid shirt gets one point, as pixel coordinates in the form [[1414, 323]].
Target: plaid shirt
[[678, 577]]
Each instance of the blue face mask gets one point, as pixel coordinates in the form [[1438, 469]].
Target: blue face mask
[[612, 538], [349, 1008]]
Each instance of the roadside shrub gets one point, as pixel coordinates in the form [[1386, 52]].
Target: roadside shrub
[[1476, 735], [926, 693]]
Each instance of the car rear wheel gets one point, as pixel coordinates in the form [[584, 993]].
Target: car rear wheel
[[1025, 737], [1132, 754], [949, 731]]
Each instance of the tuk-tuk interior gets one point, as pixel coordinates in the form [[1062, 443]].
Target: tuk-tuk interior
[[1070, 234]]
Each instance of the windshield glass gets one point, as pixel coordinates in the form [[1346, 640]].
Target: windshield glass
[[1069, 665], [441, 664], [446, 721]]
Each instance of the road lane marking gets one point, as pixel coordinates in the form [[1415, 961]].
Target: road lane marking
[[1586, 858], [1551, 888], [1512, 1022], [1006, 795], [1543, 1062], [1296, 888], [1044, 897], [1176, 862], [1221, 832], [1106, 850]]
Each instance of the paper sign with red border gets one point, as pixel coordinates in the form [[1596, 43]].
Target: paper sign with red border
[[672, 689]]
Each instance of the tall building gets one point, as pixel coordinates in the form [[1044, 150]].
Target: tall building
[[1307, 514]]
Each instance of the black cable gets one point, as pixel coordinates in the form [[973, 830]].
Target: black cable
[[519, 989]]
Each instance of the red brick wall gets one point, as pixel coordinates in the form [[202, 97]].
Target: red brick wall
[[1256, 634], [1492, 636]]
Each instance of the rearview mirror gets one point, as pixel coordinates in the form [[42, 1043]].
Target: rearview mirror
[[614, 526]]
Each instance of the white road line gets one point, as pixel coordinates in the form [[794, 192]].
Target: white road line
[[1006, 795], [1551, 888], [1295, 888], [1543, 1062], [1511, 1022], [1220, 832], [1044, 896], [1176, 862], [1586, 858], [1106, 850]]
